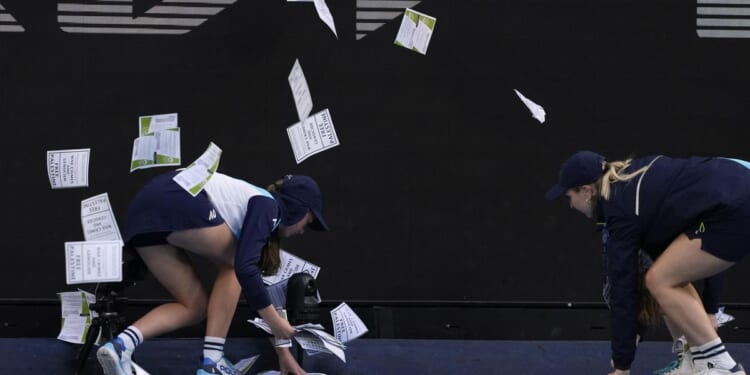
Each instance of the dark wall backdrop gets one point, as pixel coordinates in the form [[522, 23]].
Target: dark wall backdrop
[[436, 191]]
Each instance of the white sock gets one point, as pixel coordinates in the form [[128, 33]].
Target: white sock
[[213, 347], [131, 337], [712, 354]]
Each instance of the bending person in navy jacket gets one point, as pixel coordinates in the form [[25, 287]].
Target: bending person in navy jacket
[[690, 215], [235, 225]]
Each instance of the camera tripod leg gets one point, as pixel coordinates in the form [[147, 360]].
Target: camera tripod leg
[[83, 353]]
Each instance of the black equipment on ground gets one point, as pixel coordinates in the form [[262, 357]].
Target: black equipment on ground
[[110, 305]]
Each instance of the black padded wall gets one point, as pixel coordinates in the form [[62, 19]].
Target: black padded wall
[[436, 191]]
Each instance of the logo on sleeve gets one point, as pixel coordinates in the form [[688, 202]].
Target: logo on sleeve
[[212, 215]]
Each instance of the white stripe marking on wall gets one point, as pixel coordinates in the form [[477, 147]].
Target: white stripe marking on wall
[[202, 11], [127, 30], [368, 26], [368, 15], [11, 28], [728, 2], [727, 22], [200, 1], [724, 33], [723, 11], [126, 20], [95, 8], [385, 4]]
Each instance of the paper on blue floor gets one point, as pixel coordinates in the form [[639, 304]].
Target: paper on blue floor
[[139, 370], [245, 364]]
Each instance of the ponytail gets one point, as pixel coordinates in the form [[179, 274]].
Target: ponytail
[[270, 260], [612, 174]]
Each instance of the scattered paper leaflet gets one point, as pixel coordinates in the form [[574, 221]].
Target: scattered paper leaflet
[[300, 91], [277, 283], [245, 364], [312, 136], [158, 143], [415, 31], [347, 325], [325, 15], [138, 369], [68, 168], [291, 264], [93, 262], [537, 111], [98, 220], [311, 337], [195, 177], [76, 315]]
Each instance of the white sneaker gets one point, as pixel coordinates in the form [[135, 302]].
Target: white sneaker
[[683, 365], [736, 370], [113, 358]]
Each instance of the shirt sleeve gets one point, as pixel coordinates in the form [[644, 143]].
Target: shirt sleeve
[[622, 272], [256, 229]]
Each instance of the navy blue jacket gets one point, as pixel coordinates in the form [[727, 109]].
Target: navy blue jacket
[[674, 194]]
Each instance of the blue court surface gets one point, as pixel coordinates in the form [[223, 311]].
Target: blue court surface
[[364, 356]]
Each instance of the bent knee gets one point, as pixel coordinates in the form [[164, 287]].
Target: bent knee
[[654, 281], [196, 306]]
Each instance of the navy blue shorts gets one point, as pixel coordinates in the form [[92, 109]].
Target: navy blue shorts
[[725, 233], [162, 207]]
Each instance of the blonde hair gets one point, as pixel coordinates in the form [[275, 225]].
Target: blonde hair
[[270, 260], [613, 175]]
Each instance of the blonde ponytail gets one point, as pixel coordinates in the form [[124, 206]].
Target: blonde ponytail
[[613, 175]]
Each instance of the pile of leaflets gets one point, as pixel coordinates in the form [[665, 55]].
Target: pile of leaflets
[[312, 338]]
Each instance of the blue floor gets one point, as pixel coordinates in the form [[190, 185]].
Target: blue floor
[[364, 356]]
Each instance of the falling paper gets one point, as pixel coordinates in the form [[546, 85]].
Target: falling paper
[[93, 261], [347, 325], [68, 168], [415, 31], [291, 264], [325, 14], [312, 136], [537, 111], [300, 91], [195, 177], [99, 223]]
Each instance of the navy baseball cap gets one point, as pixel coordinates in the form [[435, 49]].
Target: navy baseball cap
[[306, 192], [583, 168]]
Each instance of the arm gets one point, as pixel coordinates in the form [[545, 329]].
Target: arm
[[622, 272], [257, 227], [287, 363]]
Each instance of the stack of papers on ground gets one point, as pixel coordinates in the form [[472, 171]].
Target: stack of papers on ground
[[312, 338]]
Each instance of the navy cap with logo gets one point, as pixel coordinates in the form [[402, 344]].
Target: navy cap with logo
[[583, 168], [304, 191]]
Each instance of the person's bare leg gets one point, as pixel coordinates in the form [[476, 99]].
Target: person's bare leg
[[675, 331], [172, 268], [217, 244], [682, 262], [667, 280]]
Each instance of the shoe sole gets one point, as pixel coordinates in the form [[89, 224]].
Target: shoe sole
[[109, 360]]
